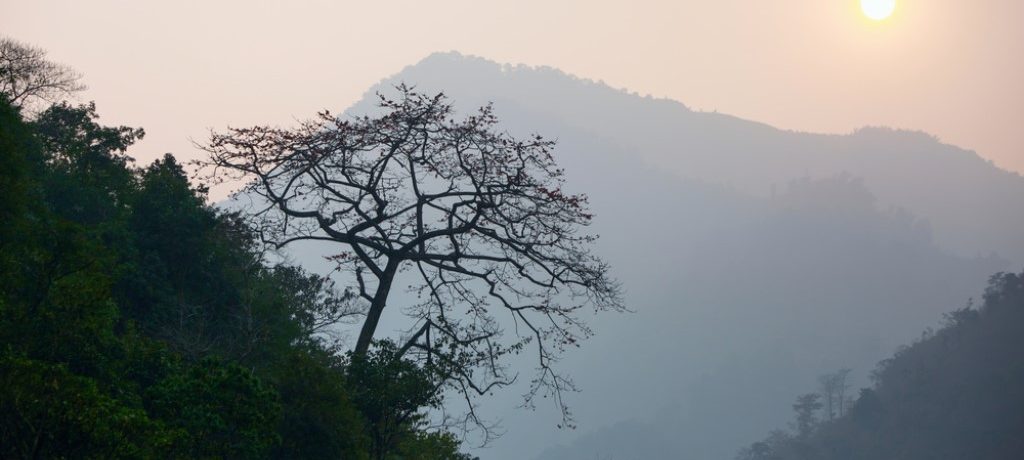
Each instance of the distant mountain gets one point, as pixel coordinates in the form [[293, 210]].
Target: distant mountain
[[755, 259], [954, 189]]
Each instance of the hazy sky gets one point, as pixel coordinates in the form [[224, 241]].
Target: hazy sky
[[953, 68]]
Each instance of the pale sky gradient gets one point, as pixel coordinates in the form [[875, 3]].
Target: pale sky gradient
[[953, 68]]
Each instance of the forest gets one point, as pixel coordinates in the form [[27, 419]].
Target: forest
[[138, 321]]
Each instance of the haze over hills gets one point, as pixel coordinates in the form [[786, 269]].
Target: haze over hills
[[774, 234], [950, 187], [754, 259], [953, 393]]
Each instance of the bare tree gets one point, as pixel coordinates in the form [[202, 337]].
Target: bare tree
[[476, 218], [26, 76], [834, 389]]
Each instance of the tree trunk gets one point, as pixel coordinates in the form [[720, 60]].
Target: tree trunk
[[380, 299]]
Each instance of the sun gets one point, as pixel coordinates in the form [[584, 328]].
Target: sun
[[878, 9]]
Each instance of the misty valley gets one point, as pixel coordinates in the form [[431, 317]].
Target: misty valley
[[480, 260]]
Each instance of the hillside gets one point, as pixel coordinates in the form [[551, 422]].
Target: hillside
[[138, 322], [955, 393]]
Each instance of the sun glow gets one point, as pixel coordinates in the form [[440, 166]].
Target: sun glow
[[878, 9]]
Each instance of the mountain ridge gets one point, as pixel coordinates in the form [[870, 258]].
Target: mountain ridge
[[454, 55], [900, 166]]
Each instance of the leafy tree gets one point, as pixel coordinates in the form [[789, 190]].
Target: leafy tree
[[806, 408], [318, 416], [430, 446], [291, 308], [17, 145], [769, 449], [183, 297], [391, 392], [47, 411], [89, 179], [218, 410]]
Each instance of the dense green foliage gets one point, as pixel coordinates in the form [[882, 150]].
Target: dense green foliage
[[956, 393], [136, 321]]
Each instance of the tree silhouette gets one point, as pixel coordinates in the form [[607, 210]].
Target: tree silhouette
[[833, 391], [26, 75], [474, 216], [806, 408]]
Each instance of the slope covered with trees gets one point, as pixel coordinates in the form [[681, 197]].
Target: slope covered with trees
[[136, 321], [955, 393]]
